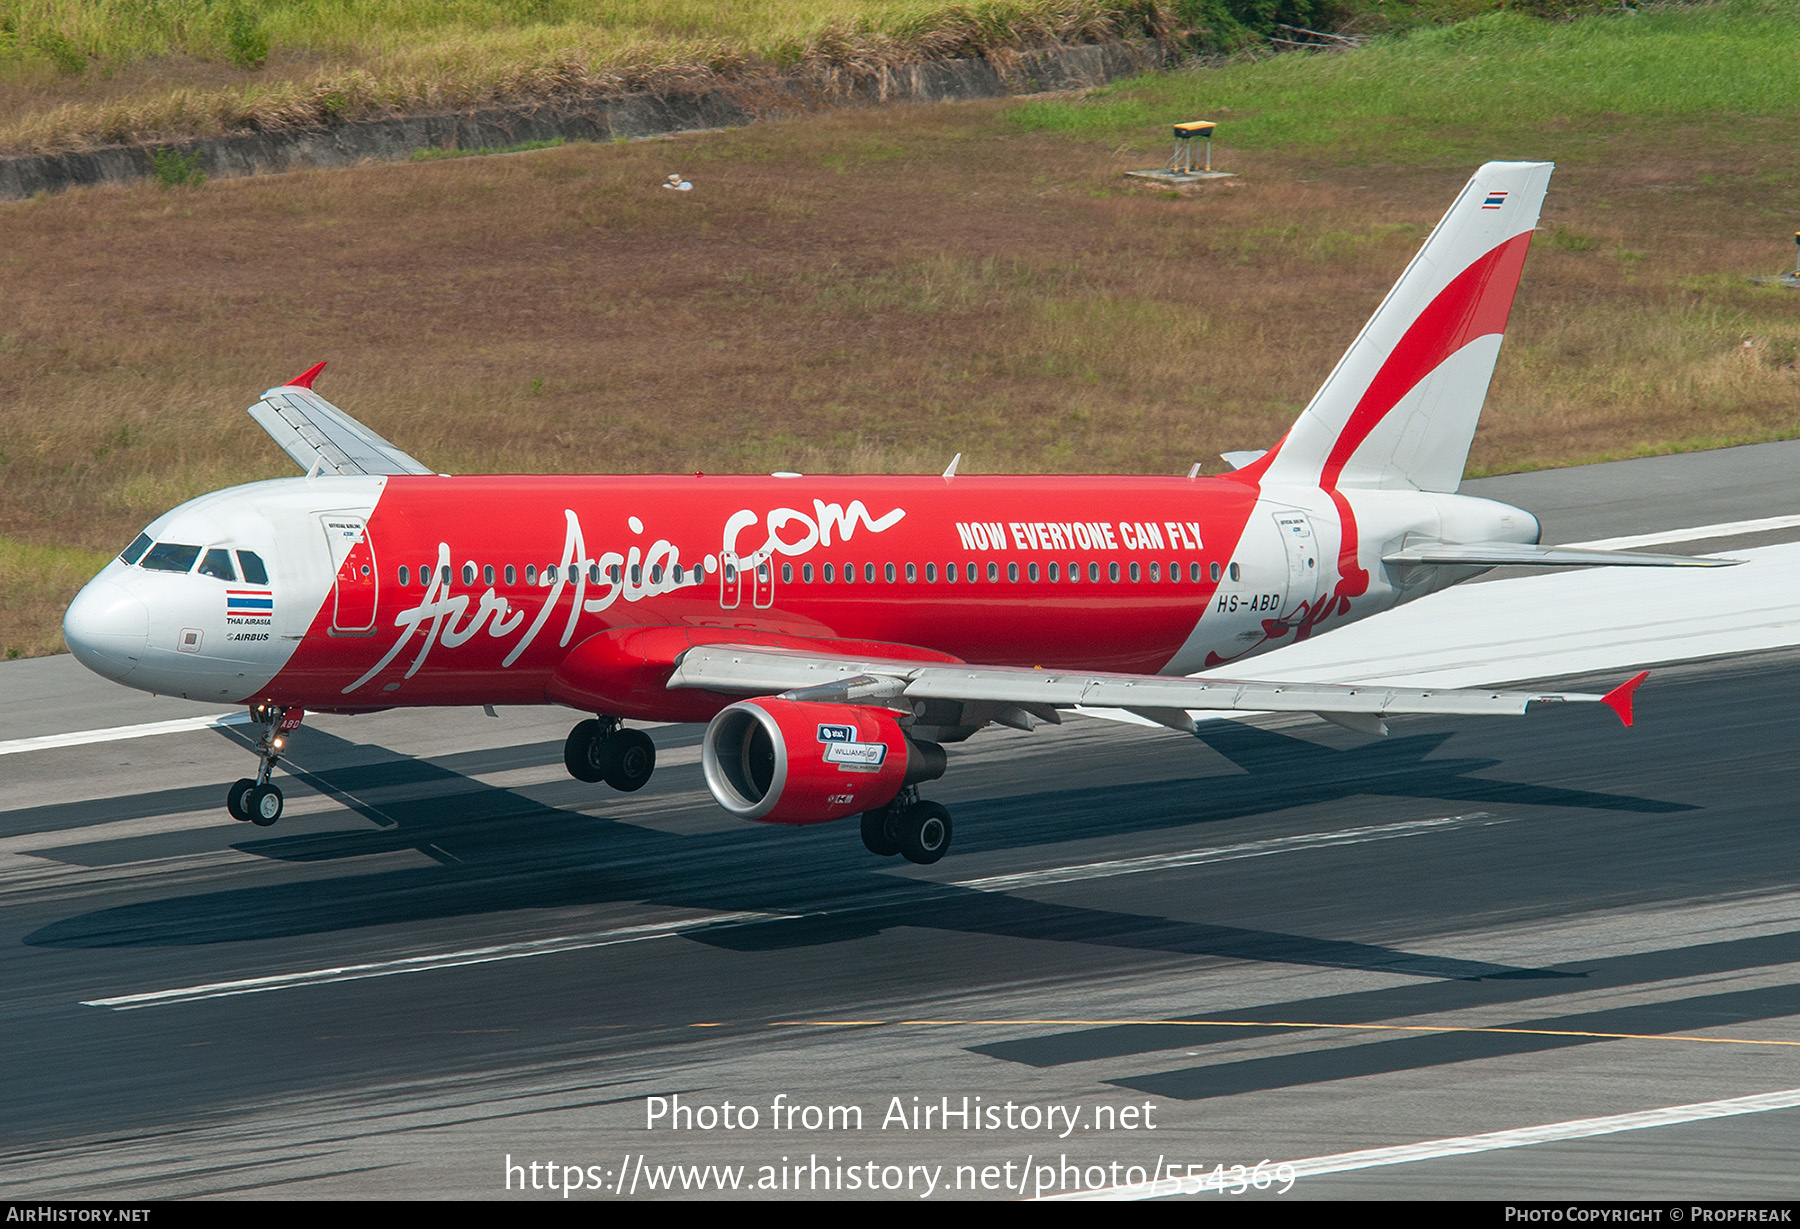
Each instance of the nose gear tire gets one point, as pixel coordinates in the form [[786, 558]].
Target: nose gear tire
[[264, 805], [234, 798]]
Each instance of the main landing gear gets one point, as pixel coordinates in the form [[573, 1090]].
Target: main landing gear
[[917, 831], [253, 798], [603, 750]]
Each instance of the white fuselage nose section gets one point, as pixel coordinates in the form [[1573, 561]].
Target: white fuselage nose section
[[211, 636]]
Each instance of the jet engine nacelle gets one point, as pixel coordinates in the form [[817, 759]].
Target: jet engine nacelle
[[794, 762]]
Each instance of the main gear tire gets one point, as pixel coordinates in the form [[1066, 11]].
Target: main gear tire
[[923, 830], [584, 751], [630, 758], [878, 833]]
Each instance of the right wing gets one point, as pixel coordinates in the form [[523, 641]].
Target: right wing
[[324, 439], [1496, 554], [1015, 695]]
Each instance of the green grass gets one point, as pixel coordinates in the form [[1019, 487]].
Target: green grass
[[1446, 93]]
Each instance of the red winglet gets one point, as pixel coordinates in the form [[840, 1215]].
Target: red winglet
[[305, 381], [1619, 698]]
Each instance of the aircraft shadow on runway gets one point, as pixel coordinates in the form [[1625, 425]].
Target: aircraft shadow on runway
[[1398, 1004], [498, 850]]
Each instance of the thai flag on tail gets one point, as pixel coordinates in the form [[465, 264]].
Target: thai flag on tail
[[250, 603], [1494, 200]]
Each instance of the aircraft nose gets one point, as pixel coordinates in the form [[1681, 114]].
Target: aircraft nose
[[106, 628]]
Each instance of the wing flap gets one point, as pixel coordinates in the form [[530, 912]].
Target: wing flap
[[1497, 554], [766, 672], [323, 439]]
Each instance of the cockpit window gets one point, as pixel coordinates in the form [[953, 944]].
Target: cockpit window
[[218, 564], [134, 552], [171, 557], [254, 571]]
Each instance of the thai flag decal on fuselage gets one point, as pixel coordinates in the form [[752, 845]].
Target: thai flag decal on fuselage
[[249, 604], [1494, 200]]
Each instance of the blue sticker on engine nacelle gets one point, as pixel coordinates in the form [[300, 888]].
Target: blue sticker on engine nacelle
[[837, 733]]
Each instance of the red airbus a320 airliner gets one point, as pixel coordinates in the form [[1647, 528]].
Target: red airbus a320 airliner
[[838, 631]]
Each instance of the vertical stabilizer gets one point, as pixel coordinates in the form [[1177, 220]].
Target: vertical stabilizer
[[1400, 408]]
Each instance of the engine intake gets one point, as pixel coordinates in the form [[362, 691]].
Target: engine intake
[[793, 762]]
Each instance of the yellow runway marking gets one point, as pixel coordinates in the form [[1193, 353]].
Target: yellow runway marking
[[1287, 1024]]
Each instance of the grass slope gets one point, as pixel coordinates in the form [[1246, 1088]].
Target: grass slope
[[77, 73]]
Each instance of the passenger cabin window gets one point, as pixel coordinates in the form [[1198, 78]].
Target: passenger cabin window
[[217, 564], [404, 576], [134, 552], [171, 557], [512, 574]]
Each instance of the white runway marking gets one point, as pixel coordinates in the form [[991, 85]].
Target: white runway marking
[[1221, 853], [1469, 1145], [117, 733], [1693, 533], [634, 934], [424, 964]]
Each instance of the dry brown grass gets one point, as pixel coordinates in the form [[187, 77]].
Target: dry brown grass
[[872, 290], [412, 67]]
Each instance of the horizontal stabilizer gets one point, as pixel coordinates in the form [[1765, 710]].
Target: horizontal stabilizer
[[322, 438], [1237, 460], [1498, 554]]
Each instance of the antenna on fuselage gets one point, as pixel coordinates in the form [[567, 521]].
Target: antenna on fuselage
[[950, 469], [1194, 472]]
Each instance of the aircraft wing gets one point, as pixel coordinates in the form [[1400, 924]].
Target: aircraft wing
[[324, 439], [1496, 554], [1038, 693]]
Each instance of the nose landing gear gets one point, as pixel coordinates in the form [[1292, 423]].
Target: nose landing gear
[[602, 750], [253, 798]]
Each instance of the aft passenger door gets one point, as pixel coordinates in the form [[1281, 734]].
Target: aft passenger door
[[355, 588], [1302, 547]]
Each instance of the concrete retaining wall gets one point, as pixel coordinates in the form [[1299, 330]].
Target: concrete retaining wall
[[603, 119]]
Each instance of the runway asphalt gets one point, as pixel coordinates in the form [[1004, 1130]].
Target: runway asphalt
[[1277, 941]]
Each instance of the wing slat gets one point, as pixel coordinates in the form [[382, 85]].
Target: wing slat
[[770, 671]]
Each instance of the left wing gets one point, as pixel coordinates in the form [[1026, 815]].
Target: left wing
[[1015, 695], [324, 439]]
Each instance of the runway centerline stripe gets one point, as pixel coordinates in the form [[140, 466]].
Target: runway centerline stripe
[[1223, 853], [1693, 533], [1469, 1145], [425, 964], [118, 733]]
